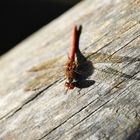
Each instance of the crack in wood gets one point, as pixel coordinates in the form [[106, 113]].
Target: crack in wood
[[10, 114], [86, 107], [106, 45], [70, 118]]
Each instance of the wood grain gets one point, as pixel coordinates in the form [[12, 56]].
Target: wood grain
[[34, 104]]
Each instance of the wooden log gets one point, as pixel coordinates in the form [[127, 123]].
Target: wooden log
[[34, 104]]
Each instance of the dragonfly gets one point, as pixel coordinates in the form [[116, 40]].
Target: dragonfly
[[71, 65], [46, 73], [51, 67]]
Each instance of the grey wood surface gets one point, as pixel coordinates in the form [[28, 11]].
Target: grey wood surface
[[34, 104]]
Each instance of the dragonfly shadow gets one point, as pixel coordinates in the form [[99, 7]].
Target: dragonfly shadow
[[84, 67]]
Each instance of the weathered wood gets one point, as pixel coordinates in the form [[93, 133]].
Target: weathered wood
[[33, 102]]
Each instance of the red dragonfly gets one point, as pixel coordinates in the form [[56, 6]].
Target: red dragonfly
[[46, 77], [71, 65], [45, 73]]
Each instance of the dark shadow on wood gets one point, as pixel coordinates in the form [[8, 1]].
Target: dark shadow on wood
[[84, 67], [135, 135]]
